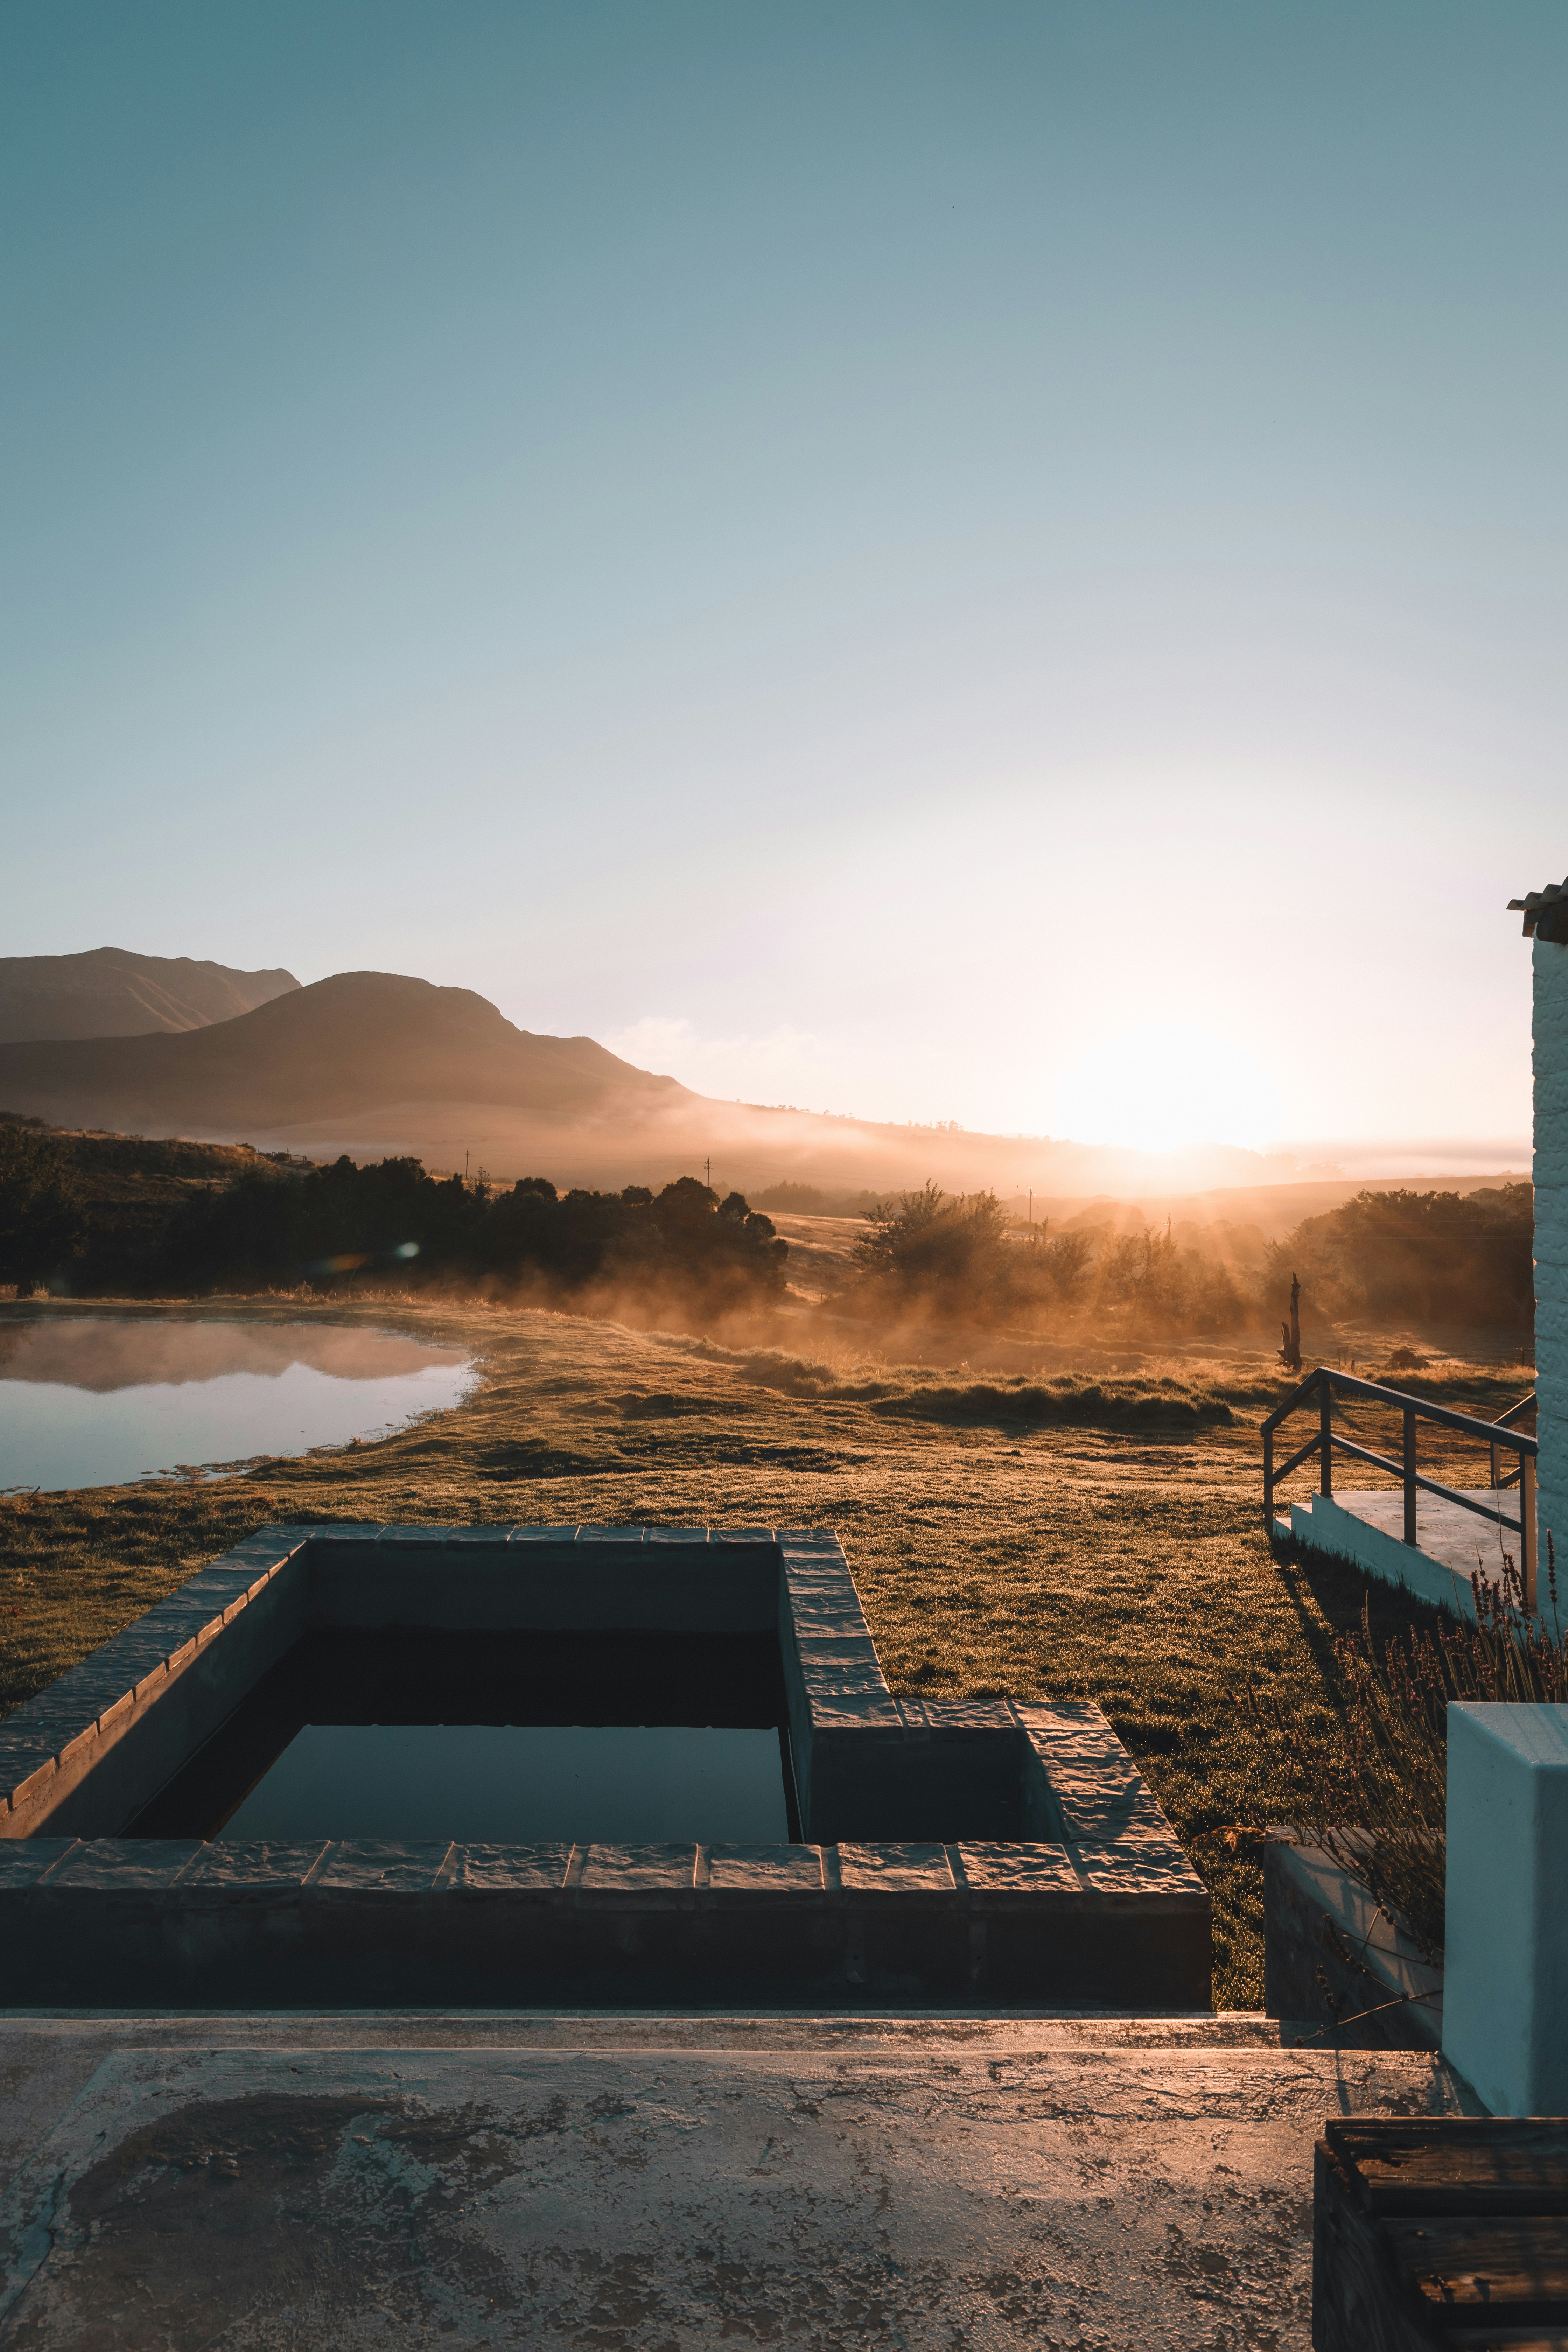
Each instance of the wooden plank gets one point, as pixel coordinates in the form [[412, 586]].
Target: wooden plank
[[1502, 2339], [1360, 2303], [1510, 2273], [1453, 2165]]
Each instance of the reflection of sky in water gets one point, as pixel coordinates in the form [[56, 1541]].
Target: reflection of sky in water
[[91, 1401], [514, 1784]]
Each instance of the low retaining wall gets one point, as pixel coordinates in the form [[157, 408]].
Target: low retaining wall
[[1334, 1963], [1323, 1525], [1506, 1913], [155, 1923]]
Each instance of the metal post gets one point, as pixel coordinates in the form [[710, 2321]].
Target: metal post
[[1269, 1481], [1409, 1474], [1325, 1432], [1527, 1527]]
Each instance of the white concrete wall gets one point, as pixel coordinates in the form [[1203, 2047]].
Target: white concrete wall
[[1550, 1025], [1505, 1973]]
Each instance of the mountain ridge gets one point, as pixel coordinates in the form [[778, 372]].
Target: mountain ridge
[[116, 993], [338, 1046]]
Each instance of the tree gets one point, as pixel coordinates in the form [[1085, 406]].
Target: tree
[[43, 1224], [949, 1251]]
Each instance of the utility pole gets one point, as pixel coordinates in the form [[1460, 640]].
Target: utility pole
[[1031, 1209], [708, 1173], [465, 1166]]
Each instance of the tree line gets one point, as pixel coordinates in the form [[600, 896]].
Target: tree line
[[1405, 1256], [340, 1226], [1419, 1258]]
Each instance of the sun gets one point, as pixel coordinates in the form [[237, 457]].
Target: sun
[[1165, 1087]]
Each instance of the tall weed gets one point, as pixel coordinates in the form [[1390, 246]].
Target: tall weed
[[1378, 1801]]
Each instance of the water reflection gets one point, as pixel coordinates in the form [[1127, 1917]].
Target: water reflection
[[90, 1399], [502, 1736], [521, 1784]]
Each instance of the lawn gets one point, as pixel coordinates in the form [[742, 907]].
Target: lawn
[[1059, 1537]]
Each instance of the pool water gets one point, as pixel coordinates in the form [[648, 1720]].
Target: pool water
[[101, 1399], [521, 1784], [509, 1738]]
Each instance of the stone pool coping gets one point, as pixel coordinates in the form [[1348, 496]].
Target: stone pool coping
[[894, 1894]]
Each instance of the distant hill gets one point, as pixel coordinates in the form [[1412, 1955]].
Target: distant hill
[[112, 992], [342, 1047], [375, 1063]]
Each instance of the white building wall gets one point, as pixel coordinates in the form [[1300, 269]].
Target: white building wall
[[1551, 1026], [1505, 1961]]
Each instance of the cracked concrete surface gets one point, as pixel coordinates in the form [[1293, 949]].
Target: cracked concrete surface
[[254, 2183]]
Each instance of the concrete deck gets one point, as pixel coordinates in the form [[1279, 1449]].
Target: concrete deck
[[1366, 1526], [650, 2183]]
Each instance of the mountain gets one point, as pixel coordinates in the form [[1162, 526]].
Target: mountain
[[336, 1051], [112, 992], [374, 1063]]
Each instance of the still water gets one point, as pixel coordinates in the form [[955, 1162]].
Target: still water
[[95, 1400], [508, 1784], [499, 1738]]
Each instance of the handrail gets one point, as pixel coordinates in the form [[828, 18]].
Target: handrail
[[1327, 1380], [1352, 1381]]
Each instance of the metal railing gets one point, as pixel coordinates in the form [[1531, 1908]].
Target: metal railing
[[1327, 1441]]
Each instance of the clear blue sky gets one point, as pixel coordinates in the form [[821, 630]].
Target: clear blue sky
[[921, 560]]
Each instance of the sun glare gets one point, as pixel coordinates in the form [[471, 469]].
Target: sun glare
[[1162, 1088]]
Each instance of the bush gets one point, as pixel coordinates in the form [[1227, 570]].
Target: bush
[[946, 1253]]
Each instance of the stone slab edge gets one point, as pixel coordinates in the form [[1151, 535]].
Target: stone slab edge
[[188, 1874], [95, 1702], [1088, 1795]]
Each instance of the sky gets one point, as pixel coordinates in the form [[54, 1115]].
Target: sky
[[991, 562]]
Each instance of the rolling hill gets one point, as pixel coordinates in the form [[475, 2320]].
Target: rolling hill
[[114, 993]]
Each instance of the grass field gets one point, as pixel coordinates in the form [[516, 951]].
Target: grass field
[[1071, 1534]]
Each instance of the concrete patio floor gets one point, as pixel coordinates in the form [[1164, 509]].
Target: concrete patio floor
[[649, 2183], [1366, 1526]]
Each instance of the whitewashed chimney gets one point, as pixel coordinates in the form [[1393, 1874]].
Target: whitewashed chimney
[[1546, 922]]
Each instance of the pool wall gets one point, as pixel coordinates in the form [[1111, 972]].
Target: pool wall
[[974, 1850]]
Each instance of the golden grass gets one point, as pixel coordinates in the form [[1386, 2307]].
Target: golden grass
[[1043, 1543]]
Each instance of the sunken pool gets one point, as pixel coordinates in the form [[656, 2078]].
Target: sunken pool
[[509, 1738], [518, 1766]]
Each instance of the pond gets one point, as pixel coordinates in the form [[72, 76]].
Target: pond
[[101, 1399]]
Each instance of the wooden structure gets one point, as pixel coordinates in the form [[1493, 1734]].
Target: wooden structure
[[1447, 2231]]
